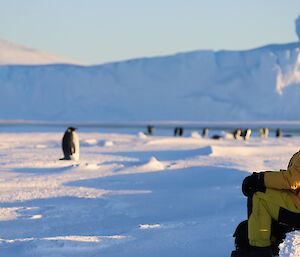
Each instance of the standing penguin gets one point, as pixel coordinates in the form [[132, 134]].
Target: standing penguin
[[70, 145]]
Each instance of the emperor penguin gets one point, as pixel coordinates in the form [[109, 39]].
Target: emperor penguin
[[70, 145]]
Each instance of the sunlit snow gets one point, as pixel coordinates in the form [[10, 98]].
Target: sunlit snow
[[140, 196]]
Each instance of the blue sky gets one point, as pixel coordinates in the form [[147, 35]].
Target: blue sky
[[97, 31]]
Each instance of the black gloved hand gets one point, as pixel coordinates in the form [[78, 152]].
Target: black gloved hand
[[254, 183]]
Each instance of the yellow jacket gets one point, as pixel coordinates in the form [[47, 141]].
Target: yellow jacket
[[287, 179]]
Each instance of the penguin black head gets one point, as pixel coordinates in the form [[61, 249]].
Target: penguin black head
[[71, 129]]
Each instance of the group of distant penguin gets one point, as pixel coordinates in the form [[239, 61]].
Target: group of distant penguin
[[70, 141], [236, 134]]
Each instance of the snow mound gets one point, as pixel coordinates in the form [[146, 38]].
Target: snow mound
[[90, 239], [106, 143], [152, 165], [7, 214], [290, 246], [89, 142], [149, 226], [142, 135], [89, 166], [60, 245], [36, 217], [95, 142], [14, 213], [41, 146], [196, 135]]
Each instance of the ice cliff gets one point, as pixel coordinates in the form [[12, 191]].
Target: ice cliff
[[257, 84]]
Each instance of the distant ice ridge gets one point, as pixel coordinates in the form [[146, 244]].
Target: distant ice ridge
[[298, 27], [11, 53], [257, 84]]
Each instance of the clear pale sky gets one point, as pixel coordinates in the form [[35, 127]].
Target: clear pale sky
[[98, 31]]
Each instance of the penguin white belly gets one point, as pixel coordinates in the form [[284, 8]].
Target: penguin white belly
[[75, 155]]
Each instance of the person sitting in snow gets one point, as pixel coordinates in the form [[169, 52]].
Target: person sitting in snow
[[273, 210], [70, 145]]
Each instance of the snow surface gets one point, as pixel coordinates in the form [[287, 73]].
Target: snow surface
[[11, 53], [135, 196]]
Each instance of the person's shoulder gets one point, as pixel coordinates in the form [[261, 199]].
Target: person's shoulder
[[296, 155], [295, 160]]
